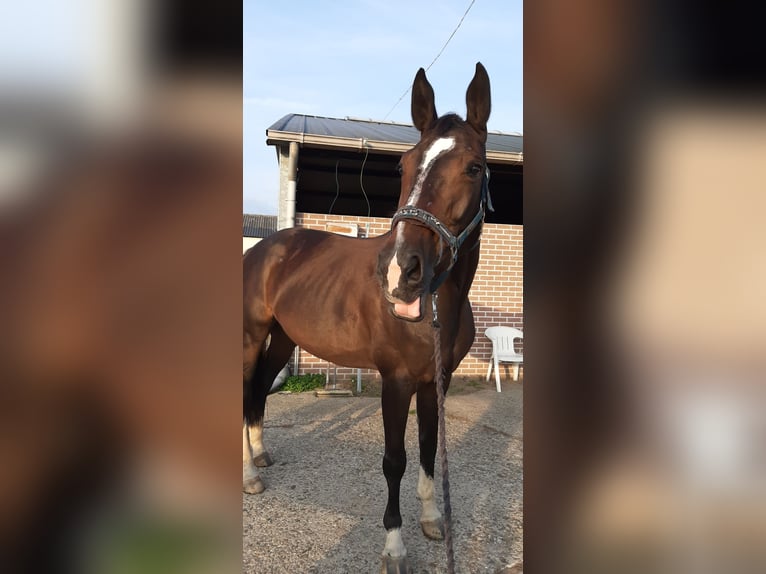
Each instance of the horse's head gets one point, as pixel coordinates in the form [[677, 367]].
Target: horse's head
[[442, 196]]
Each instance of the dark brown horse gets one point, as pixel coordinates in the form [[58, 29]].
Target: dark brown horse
[[361, 302]]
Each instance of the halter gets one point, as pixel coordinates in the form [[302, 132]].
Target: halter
[[431, 222]]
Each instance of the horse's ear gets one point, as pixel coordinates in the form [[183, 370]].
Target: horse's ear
[[423, 106], [478, 100]]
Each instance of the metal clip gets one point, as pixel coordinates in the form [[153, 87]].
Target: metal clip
[[435, 312]]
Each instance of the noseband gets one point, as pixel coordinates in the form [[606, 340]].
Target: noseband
[[431, 222]]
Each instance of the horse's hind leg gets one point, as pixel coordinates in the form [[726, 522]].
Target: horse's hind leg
[[251, 479], [255, 404], [428, 423], [266, 366], [261, 456], [271, 362], [254, 341]]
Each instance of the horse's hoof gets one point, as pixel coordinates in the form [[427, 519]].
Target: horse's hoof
[[433, 529], [254, 485], [393, 565], [263, 459]]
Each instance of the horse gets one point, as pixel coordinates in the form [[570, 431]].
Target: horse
[[373, 302]]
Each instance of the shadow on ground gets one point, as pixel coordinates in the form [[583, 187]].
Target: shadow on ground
[[323, 507]]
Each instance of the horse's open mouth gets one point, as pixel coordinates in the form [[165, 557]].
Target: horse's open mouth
[[408, 311]]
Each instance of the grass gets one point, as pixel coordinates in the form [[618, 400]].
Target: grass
[[303, 383]]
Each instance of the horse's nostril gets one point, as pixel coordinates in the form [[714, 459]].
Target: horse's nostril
[[413, 270]]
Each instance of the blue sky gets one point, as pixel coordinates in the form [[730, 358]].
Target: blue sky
[[356, 57]]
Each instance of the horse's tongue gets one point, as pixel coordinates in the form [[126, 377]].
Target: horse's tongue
[[411, 310]]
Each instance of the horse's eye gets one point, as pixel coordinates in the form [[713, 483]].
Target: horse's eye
[[475, 169], [399, 168]]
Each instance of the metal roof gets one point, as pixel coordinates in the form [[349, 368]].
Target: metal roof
[[385, 136], [258, 225]]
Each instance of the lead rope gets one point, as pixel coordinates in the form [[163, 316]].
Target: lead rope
[[443, 440]]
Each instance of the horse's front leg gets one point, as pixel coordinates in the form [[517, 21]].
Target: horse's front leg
[[395, 402], [428, 422]]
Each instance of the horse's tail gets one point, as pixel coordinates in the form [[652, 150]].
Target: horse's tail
[[253, 395]]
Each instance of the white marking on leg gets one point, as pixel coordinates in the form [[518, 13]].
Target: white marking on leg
[[430, 512], [248, 466], [437, 148], [394, 545], [247, 453], [256, 438]]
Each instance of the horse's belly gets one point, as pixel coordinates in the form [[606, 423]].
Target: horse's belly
[[343, 339], [354, 358]]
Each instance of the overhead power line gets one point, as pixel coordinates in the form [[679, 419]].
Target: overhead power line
[[434, 60]]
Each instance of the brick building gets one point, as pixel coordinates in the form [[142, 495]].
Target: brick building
[[340, 175]]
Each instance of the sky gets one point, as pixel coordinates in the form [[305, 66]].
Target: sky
[[356, 58]]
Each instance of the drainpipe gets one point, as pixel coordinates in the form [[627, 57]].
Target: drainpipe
[[292, 179], [359, 381], [292, 182]]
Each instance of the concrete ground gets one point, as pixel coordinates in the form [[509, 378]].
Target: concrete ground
[[322, 510]]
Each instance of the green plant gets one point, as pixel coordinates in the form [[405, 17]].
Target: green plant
[[302, 383]]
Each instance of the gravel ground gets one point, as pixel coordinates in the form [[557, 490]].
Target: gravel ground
[[322, 510]]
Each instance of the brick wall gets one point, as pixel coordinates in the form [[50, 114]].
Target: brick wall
[[496, 295]]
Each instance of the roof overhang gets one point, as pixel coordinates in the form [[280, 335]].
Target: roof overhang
[[276, 137]]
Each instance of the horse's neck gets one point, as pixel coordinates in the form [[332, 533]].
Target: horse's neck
[[462, 274]]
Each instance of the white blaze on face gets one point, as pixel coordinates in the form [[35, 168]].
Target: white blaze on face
[[394, 545], [394, 271], [440, 146]]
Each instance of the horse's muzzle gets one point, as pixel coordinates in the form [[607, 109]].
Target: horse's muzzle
[[403, 278]]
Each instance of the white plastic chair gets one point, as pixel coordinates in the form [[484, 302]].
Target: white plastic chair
[[503, 351]]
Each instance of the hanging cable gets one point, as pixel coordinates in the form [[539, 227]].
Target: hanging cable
[[337, 188], [434, 60], [361, 184]]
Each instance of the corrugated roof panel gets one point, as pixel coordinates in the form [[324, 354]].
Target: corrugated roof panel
[[505, 142], [378, 131], [258, 225]]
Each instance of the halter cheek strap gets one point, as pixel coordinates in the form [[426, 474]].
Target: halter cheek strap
[[453, 242]]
